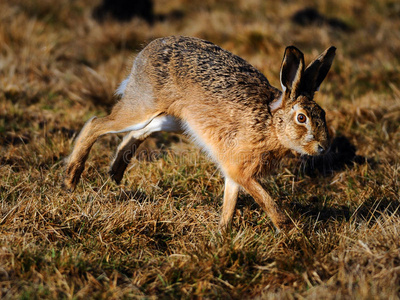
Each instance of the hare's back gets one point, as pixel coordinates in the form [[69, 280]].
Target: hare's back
[[186, 60]]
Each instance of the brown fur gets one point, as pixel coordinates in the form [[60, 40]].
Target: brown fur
[[223, 103]]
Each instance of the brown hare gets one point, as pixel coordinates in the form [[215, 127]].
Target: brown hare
[[225, 105]]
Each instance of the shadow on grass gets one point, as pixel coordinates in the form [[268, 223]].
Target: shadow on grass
[[125, 10], [342, 154], [310, 16], [369, 211], [137, 195], [316, 211]]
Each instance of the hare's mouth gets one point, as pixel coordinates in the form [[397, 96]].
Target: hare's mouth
[[315, 148]]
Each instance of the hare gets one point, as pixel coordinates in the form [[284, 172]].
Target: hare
[[225, 105]]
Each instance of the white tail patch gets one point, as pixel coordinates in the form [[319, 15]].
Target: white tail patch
[[133, 127], [122, 87], [161, 123], [166, 123]]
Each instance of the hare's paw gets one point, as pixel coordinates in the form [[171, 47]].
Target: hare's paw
[[117, 171], [71, 179], [284, 224]]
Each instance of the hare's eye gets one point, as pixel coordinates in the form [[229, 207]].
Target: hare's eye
[[301, 118]]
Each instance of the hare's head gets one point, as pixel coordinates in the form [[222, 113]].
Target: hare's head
[[299, 121]]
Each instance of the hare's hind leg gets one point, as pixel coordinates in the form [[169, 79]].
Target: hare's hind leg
[[127, 149], [121, 119]]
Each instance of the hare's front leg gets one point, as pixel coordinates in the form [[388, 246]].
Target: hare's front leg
[[280, 220], [230, 199]]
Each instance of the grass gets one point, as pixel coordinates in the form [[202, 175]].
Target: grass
[[156, 235]]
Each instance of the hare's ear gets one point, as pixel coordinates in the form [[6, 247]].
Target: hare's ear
[[292, 70], [317, 70]]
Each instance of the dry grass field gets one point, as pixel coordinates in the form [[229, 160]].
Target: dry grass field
[[156, 235]]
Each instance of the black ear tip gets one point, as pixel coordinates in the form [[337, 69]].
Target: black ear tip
[[332, 49], [293, 50], [291, 47]]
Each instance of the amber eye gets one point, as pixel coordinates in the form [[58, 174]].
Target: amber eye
[[301, 118]]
